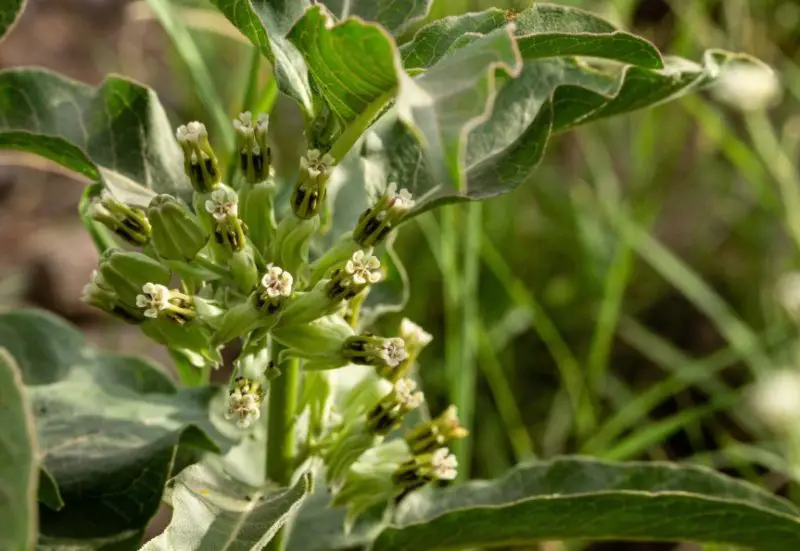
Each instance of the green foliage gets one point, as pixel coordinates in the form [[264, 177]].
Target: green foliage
[[9, 13]]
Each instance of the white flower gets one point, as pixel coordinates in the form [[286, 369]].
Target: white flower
[[223, 203], [262, 123], [192, 132], [363, 268], [277, 282], [393, 352], [776, 400], [444, 464], [405, 391], [154, 299], [414, 335], [748, 86], [314, 162], [401, 202], [244, 123], [244, 405]]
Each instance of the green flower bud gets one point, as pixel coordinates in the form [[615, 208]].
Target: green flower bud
[[223, 206], [386, 354], [237, 322], [387, 414], [341, 251], [310, 190], [191, 339], [254, 153], [309, 306], [100, 295], [158, 301], [244, 270], [377, 221], [258, 215], [199, 160], [177, 234], [370, 480], [129, 223], [319, 342], [244, 402], [292, 240], [126, 272], [360, 271], [426, 437]]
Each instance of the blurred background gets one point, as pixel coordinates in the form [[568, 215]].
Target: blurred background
[[637, 300]]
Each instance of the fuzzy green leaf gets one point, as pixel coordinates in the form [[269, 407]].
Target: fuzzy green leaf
[[395, 15], [215, 512], [265, 23], [574, 498], [18, 459], [117, 133], [109, 428], [9, 13], [576, 68]]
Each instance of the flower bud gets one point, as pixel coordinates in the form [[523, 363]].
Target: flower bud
[[310, 190], [223, 206], [292, 240], [377, 221], [258, 215], [177, 234], [199, 160], [360, 271], [129, 223], [386, 354], [192, 339], [244, 402], [125, 272], [237, 322], [244, 270], [319, 342], [157, 301], [426, 437], [254, 153], [100, 295], [306, 307], [428, 467], [388, 414]]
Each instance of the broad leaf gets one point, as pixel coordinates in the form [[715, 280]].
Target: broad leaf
[[265, 23], [395, 15], [9, 12], [17, 461], [117, 133], [585, 499], [108, 427], [557, 89], [215, 512]]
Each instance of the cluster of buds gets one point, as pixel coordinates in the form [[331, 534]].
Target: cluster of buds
[[220, 269]]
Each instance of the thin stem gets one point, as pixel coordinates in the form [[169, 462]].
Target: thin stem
[[359, 125], [282, 408]]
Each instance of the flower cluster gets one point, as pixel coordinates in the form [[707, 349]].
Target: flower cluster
[[198, 275]]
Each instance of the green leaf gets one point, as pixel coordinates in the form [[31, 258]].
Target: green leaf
[[117, 133], [18, 459], [563, 83], [266, 23], [108, 428], [9, 13], [574, 498], [395, 15], [213, 511]]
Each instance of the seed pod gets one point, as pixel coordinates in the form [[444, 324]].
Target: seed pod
[[177, 234]]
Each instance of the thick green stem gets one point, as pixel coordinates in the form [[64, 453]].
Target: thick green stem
[[359, 125], [282, 408]]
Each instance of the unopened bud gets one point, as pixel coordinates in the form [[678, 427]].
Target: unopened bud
[[377, 221], [430, 435], [177, 234], [292, 241], [157, 301], [258, 215], [384, 353], [244, 269], [388, 414], [251, 139], [360, 271], [99, 294], [125, 272], [129, 223], [244, 402], [310, 190], [199, 160], [319, 342]]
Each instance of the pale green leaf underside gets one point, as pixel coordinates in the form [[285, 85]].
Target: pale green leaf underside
[[213, 512], [585, 499], [108, 428], [395, 15], [17, 461], [117, 133], [9, 13]]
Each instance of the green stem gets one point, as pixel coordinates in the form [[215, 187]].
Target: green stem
[[359, 125], [281, 415]]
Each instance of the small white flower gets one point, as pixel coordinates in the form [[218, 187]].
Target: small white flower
[[775, 399], [747, 86], [444, 464], [277, 282], [191, 132], [363, 268], [244, 122], [223, 203], [394, 352], [407, 395], [414, 335], [262, 123], [401, 202], [154, 299], [314, 162], [244, 402]]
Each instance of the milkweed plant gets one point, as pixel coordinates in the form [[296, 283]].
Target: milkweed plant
[[269, 249]]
